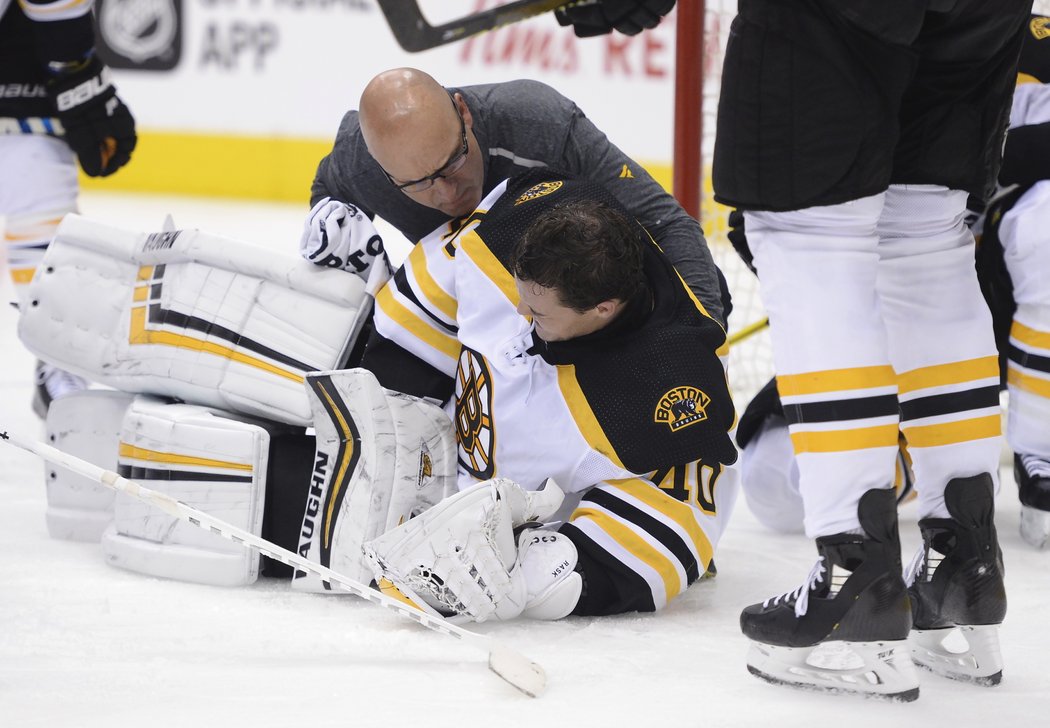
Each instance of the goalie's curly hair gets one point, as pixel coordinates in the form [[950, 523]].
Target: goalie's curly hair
[[586, 250]]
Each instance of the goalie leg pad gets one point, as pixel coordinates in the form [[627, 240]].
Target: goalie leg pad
[[85, 424], [381, 456], [461, 556], [190, 315], [210, 460]]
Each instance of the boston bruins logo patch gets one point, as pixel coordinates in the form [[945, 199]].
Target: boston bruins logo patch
[[543, 188], [681, 407], [1040, 28], [474, 430]]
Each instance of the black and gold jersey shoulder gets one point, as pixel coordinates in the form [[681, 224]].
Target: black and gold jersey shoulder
[[656, 387], [1035, 52]]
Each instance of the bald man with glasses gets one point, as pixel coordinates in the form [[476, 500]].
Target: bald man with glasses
[[421, 156]]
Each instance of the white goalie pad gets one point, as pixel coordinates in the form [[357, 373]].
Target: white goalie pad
[[85, 424], [381, 457], [213, 461], [190, 315]]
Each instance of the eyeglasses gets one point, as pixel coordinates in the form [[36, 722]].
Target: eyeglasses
[[453, 165]]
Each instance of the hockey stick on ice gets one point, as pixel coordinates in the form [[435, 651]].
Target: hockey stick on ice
[[513, 667], [414, 32]]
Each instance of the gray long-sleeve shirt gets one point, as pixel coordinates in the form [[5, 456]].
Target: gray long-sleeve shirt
[[519, 125]]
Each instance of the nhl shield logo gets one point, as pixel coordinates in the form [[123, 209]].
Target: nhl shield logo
[[540, 190], [681, 407]]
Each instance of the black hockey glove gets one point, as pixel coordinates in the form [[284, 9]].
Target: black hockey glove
[[599, 17], [98, 126]]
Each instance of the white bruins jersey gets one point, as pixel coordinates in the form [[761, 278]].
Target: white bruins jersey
[[637, 420]]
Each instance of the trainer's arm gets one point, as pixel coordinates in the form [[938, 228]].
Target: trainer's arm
[[589, 153]]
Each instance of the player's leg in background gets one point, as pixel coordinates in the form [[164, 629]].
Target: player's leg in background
[[953, 118], [38, 186], [1024, 233], [942, 346]]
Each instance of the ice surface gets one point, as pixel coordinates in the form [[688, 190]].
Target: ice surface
[[83, 644]]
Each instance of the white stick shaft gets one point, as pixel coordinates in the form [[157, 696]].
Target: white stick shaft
[[496, 651]]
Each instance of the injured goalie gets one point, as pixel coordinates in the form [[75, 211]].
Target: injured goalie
[[539, 427]]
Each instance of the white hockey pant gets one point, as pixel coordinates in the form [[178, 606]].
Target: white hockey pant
[[38, 186], [868, 300]]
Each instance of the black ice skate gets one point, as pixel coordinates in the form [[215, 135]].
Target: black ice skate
[[956, 587], [1033, 487], [846, 628]]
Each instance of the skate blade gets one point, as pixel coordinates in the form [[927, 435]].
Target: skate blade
[[1035, 527], [967, 653], [880, 670]]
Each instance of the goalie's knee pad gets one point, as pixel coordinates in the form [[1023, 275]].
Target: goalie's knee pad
[[85, 424], [381, 457], [213, 461], [192, 316]]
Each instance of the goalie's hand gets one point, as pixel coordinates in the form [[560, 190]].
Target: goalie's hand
[[338, 235], [98, 126], [599, 17]]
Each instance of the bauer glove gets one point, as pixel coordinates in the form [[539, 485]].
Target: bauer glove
[[98, 126], [338, 235], [598, 17]]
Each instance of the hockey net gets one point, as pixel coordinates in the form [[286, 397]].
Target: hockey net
[[750, 351]]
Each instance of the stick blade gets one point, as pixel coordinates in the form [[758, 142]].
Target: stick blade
[[518, 670]]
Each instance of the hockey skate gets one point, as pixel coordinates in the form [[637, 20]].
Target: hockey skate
[[1033, 488], [956, 587], [52, 383], [846, 628]]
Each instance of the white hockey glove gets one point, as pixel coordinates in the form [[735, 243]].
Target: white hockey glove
[[463, 560], [338, 235]]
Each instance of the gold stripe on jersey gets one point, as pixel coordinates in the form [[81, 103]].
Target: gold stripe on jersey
[[126, 450], [415, 325], [434, 293], [1029, 336], [583, 415], [675, 510], [637, 546], [476, 249], [1027, 382], [940, 375], [835, 380], [860, 438], [951, 433]]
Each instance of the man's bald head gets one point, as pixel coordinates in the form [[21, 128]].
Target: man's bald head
[[413, 128]]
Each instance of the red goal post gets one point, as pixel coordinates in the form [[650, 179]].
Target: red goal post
[[700, 39]]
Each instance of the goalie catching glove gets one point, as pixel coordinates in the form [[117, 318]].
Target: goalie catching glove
[[599, 17], [465, 559], [98, 126], [338, 235]]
